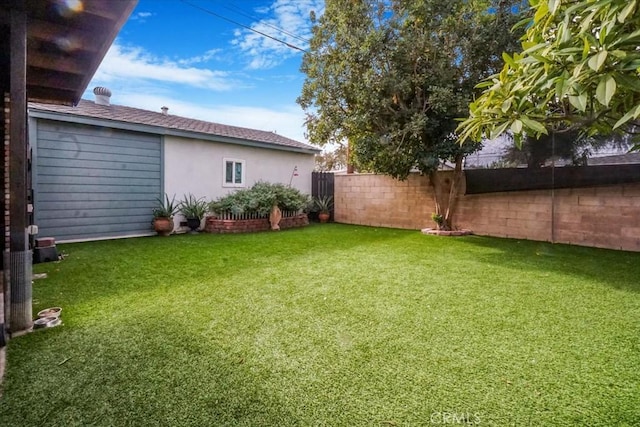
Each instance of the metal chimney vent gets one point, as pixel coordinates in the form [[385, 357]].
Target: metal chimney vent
[[103, 95]]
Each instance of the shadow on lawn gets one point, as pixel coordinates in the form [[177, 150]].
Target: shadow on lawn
[[103, 269], [618, 269]]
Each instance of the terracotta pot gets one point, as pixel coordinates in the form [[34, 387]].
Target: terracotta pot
[[324, 216], [163, 226]]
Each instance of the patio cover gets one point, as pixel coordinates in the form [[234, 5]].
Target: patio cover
[[49, 51]]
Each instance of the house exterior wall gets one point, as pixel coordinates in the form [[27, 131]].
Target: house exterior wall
[[196, 166], [91, 182], [76, 164], [607, 216]]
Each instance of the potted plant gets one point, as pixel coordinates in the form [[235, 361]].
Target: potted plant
[[163, 215], [438, 219], [323, 205], [193, 210]]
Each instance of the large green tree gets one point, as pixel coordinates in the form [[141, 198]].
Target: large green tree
[[579, 69], [391, 77]]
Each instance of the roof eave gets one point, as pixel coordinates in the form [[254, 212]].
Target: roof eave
[[108, 41]]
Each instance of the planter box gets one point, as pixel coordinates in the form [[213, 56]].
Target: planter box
[[226, 226]]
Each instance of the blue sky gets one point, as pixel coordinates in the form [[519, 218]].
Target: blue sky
[[201, 66]]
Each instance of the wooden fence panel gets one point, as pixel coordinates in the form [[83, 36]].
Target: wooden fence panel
[[497, 180], [322, 185]]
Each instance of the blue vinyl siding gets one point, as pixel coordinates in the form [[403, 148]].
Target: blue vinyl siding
[[94, 182]]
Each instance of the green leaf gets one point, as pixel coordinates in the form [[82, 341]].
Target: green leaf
[[602, 36], [533, 47], [597, 60], [620, 54], [496, 132], [553, 6], [484, 84], [632, 83], [534, 125], [631, 65], [516, 126], [628, 38], [542, 10], [626, 11], [579, 101], [606, 89], [564, 34], [509, 60], [586, 24], [506, 105], [631, 114], [562, 85], [586, 47]]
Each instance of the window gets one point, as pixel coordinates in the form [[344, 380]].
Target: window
[[233, 170]]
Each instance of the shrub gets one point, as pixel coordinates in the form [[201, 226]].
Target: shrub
[[260, 198]]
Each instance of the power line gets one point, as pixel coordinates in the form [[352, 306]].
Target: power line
[[234, 8], [289, 45]]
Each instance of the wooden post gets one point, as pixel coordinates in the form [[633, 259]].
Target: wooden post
[[19, 253], [349, 164]]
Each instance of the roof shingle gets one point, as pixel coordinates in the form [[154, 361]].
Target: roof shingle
[[617, 159], [120, 113]]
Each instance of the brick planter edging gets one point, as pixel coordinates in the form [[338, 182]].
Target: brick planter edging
[[225, 226]]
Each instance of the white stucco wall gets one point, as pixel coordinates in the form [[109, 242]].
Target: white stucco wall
[[195, 166]]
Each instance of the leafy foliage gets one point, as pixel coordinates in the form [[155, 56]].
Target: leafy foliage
[[192, 207], [166, 208], [391, 77], [437, 218], [260, 199], [578, 69]]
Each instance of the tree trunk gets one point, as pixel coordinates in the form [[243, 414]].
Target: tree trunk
[[445, 193]]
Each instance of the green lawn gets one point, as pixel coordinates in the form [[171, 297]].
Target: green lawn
[[333, 326]]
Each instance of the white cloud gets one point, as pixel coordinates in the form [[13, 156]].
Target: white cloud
[[126, 63], [141, 16], [289, 22], [205, 57]]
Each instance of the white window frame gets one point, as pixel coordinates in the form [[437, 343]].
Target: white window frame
[[224, 172]]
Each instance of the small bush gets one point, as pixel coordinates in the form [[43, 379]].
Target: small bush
[[191, 207], [260, 198]]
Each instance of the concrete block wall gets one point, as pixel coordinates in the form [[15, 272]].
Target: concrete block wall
[[607, 217], [382, 201], [520, 215]]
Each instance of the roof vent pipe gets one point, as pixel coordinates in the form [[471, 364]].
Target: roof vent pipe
[[103, 95], [165, 111]]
